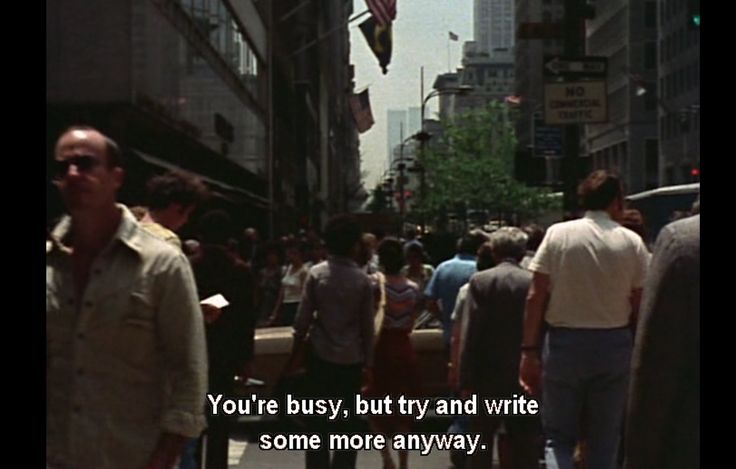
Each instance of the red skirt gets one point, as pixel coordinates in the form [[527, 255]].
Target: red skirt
[[394, 374]]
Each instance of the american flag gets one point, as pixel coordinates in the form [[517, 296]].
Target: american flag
[[360, 104], [384, 11]]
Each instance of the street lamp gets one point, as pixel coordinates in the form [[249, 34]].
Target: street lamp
[[423, 137]]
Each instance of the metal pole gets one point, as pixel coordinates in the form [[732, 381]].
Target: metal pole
[[422, 187], [574, 42], [325, 35]]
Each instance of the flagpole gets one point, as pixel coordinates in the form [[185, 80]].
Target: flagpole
[[337, 28], [448, 55]]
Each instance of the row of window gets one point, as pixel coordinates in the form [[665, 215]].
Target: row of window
[[681, 81], [671, 8], [215, 21], [678, 42], [612, 158]]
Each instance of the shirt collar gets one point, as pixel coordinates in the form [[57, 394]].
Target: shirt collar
[[465, 257], [597, 215], [128, 232], [342, 260]]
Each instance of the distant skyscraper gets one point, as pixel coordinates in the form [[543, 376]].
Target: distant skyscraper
[[414, 122], [396, 121], [494, 25]]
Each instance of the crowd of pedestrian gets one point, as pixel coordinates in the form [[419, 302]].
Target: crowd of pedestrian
[[581, 316]]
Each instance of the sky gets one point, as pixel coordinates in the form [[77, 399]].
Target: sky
[[420, 38]]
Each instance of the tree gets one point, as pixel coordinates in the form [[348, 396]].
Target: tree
[[471, 168]]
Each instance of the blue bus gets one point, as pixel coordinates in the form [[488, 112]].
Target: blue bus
[[658, 206]]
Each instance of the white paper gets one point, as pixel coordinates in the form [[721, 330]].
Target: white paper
[[218, 301]]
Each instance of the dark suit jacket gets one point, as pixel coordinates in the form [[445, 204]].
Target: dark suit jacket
[[663, 422], [490, 354]]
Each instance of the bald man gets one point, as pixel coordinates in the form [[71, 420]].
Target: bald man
[[126, 365]]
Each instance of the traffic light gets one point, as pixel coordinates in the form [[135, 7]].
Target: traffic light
[[695, 174], [693, 14]]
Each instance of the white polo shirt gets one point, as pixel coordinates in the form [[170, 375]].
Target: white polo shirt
[[593, 264]]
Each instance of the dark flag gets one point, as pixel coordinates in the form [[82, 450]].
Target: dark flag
[[379, 40], [360, 104]]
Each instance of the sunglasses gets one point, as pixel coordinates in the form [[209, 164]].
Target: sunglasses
[[83, 163]]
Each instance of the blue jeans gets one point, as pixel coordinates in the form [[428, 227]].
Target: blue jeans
[[584, 370]]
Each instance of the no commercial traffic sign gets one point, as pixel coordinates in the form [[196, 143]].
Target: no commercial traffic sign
[[582, 102]]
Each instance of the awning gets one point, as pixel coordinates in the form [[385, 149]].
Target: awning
[[228, 189]]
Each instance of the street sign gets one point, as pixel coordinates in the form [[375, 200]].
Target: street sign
[[547, 140], [539, 31], [583, 102], [576, 67]]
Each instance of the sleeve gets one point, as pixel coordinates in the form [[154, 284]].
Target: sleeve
[[181, 331], [430, 291], [472, 335], [457, 313], [665, 360], [305, 313], [542, 261], [642, 263]]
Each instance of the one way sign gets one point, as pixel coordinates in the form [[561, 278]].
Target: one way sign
[[576, 67]]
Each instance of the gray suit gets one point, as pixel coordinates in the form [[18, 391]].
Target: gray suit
[[490, 357], [663, 422]]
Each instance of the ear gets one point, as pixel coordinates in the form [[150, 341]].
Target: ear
[[118, 175]]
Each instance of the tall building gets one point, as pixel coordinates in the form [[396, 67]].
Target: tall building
[[413, 122], [626, 33], [493, 26], [396, 126], [222, 89], [679, 91]]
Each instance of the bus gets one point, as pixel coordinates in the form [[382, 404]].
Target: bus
[[658, 206]]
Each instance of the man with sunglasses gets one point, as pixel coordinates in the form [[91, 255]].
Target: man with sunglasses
[[126, 361]]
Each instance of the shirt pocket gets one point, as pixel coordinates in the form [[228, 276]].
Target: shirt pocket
[[128, 331]]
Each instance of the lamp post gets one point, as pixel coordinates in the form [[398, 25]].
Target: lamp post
[[423, 137]]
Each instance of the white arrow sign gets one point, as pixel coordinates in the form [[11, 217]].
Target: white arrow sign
[[558, 66]]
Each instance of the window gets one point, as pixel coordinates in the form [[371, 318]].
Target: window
[[546, 17], [663, 127], [650, 99], [650, 14], [650, 55]]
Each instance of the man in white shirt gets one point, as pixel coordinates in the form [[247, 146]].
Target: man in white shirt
[[588, 276]]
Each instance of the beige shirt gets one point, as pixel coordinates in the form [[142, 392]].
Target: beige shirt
[[162, 232], [128, 360], [593, 263]]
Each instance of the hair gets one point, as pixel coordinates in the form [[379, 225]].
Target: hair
[[485, 259], [138, 212], [175, 187], [470, 243], [599, 189], [509, 241], [299, 245], [633, 220], [391, 255], [113, 153], [416, 248], [216, 227], [341, 234], [535, 234]]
